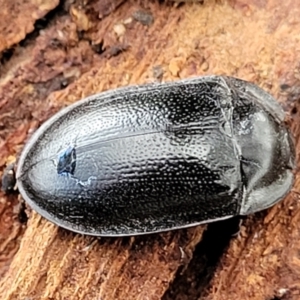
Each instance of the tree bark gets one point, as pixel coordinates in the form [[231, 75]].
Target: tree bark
[[53, 54]]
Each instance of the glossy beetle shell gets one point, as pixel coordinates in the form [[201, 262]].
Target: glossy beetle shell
[[152, 158]]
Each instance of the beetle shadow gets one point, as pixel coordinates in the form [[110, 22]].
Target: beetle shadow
[[205, 260]]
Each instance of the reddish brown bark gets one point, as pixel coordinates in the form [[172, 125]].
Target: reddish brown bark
[[85, 49]]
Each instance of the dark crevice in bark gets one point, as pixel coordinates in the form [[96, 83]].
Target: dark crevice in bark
[[43, 23], [8, 54], [194, 280]]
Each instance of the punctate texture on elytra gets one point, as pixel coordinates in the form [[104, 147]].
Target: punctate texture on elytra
[[151, 158]]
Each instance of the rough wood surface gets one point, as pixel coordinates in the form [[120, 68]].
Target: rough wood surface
[[18, 18], [84, 48]]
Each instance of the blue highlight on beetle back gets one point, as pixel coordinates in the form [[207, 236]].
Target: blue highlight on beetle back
[[66, 163]]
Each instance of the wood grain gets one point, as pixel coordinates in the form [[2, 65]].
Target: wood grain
[[84, 49]]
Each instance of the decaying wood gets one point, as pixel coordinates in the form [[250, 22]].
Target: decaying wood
[[18, 18], [86, 48]]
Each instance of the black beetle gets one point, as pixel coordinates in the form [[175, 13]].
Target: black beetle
[[151, 158]]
